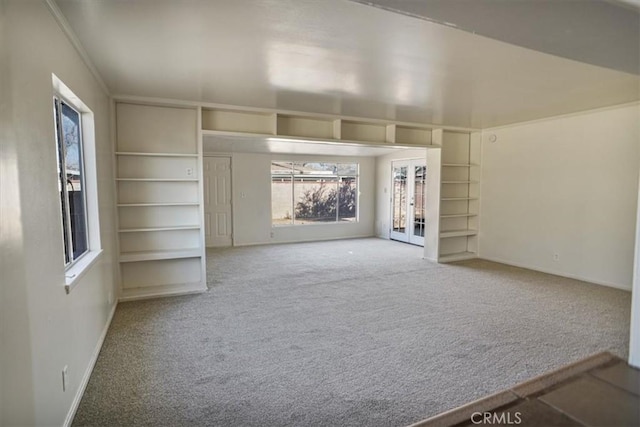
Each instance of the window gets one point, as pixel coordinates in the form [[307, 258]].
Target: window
[[75, 145], [313, 192], [71, 183]]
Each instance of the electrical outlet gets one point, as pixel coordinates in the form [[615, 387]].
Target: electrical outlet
[[65, 377], [556, 257], [189, 171], [272, 234], [110, 297], [243, 195]]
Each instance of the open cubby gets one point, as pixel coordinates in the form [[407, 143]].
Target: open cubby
[[305, 127], [362, 131], [238, 121], [408, 135]]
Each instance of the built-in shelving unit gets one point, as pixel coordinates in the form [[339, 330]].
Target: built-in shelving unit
[[459, 196], [159, 186], [245, 122]]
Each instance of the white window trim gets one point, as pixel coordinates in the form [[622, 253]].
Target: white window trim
[[80, 267]]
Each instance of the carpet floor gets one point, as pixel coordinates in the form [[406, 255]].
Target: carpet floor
[[359, 332]]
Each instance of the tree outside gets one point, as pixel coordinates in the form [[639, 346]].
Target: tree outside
[[324, 203]]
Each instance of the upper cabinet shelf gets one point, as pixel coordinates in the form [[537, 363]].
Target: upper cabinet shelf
[[307, 127], [409, 135], [239, 121], [155, 129], [313, 127], [363, 131]]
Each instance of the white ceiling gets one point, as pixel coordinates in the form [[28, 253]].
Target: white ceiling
[[598, 32], [331, 56]]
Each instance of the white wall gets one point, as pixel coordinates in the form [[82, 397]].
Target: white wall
[[634, 339], [383, 184], [43, 328], [252, 213], [567, 185]]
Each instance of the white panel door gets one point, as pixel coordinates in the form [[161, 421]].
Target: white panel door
[[217, 201]]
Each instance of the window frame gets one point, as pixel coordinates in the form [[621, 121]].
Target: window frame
[[338, 178], [75, 270], [59, 101]]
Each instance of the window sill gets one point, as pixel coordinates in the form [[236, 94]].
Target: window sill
[[73, 275]]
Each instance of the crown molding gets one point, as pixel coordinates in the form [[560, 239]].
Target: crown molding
[[75, 41], [565, 116]]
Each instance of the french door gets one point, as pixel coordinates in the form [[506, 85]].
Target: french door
[[408, 182]]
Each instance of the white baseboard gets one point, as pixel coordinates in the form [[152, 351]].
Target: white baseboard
[[87, 373], [557, 273], [133, 294]]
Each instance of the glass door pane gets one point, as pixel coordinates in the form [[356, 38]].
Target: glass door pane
[[399, 199], [419, 200]]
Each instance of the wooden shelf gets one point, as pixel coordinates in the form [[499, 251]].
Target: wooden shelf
[[461, 215], [457, 165], [128, 153], [147, 229], [457, 199], [457, 233], [459, 256], [145, 205], [159, 255], [157, 179]]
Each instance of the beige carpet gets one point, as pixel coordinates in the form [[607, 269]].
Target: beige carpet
[[354, 332]]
